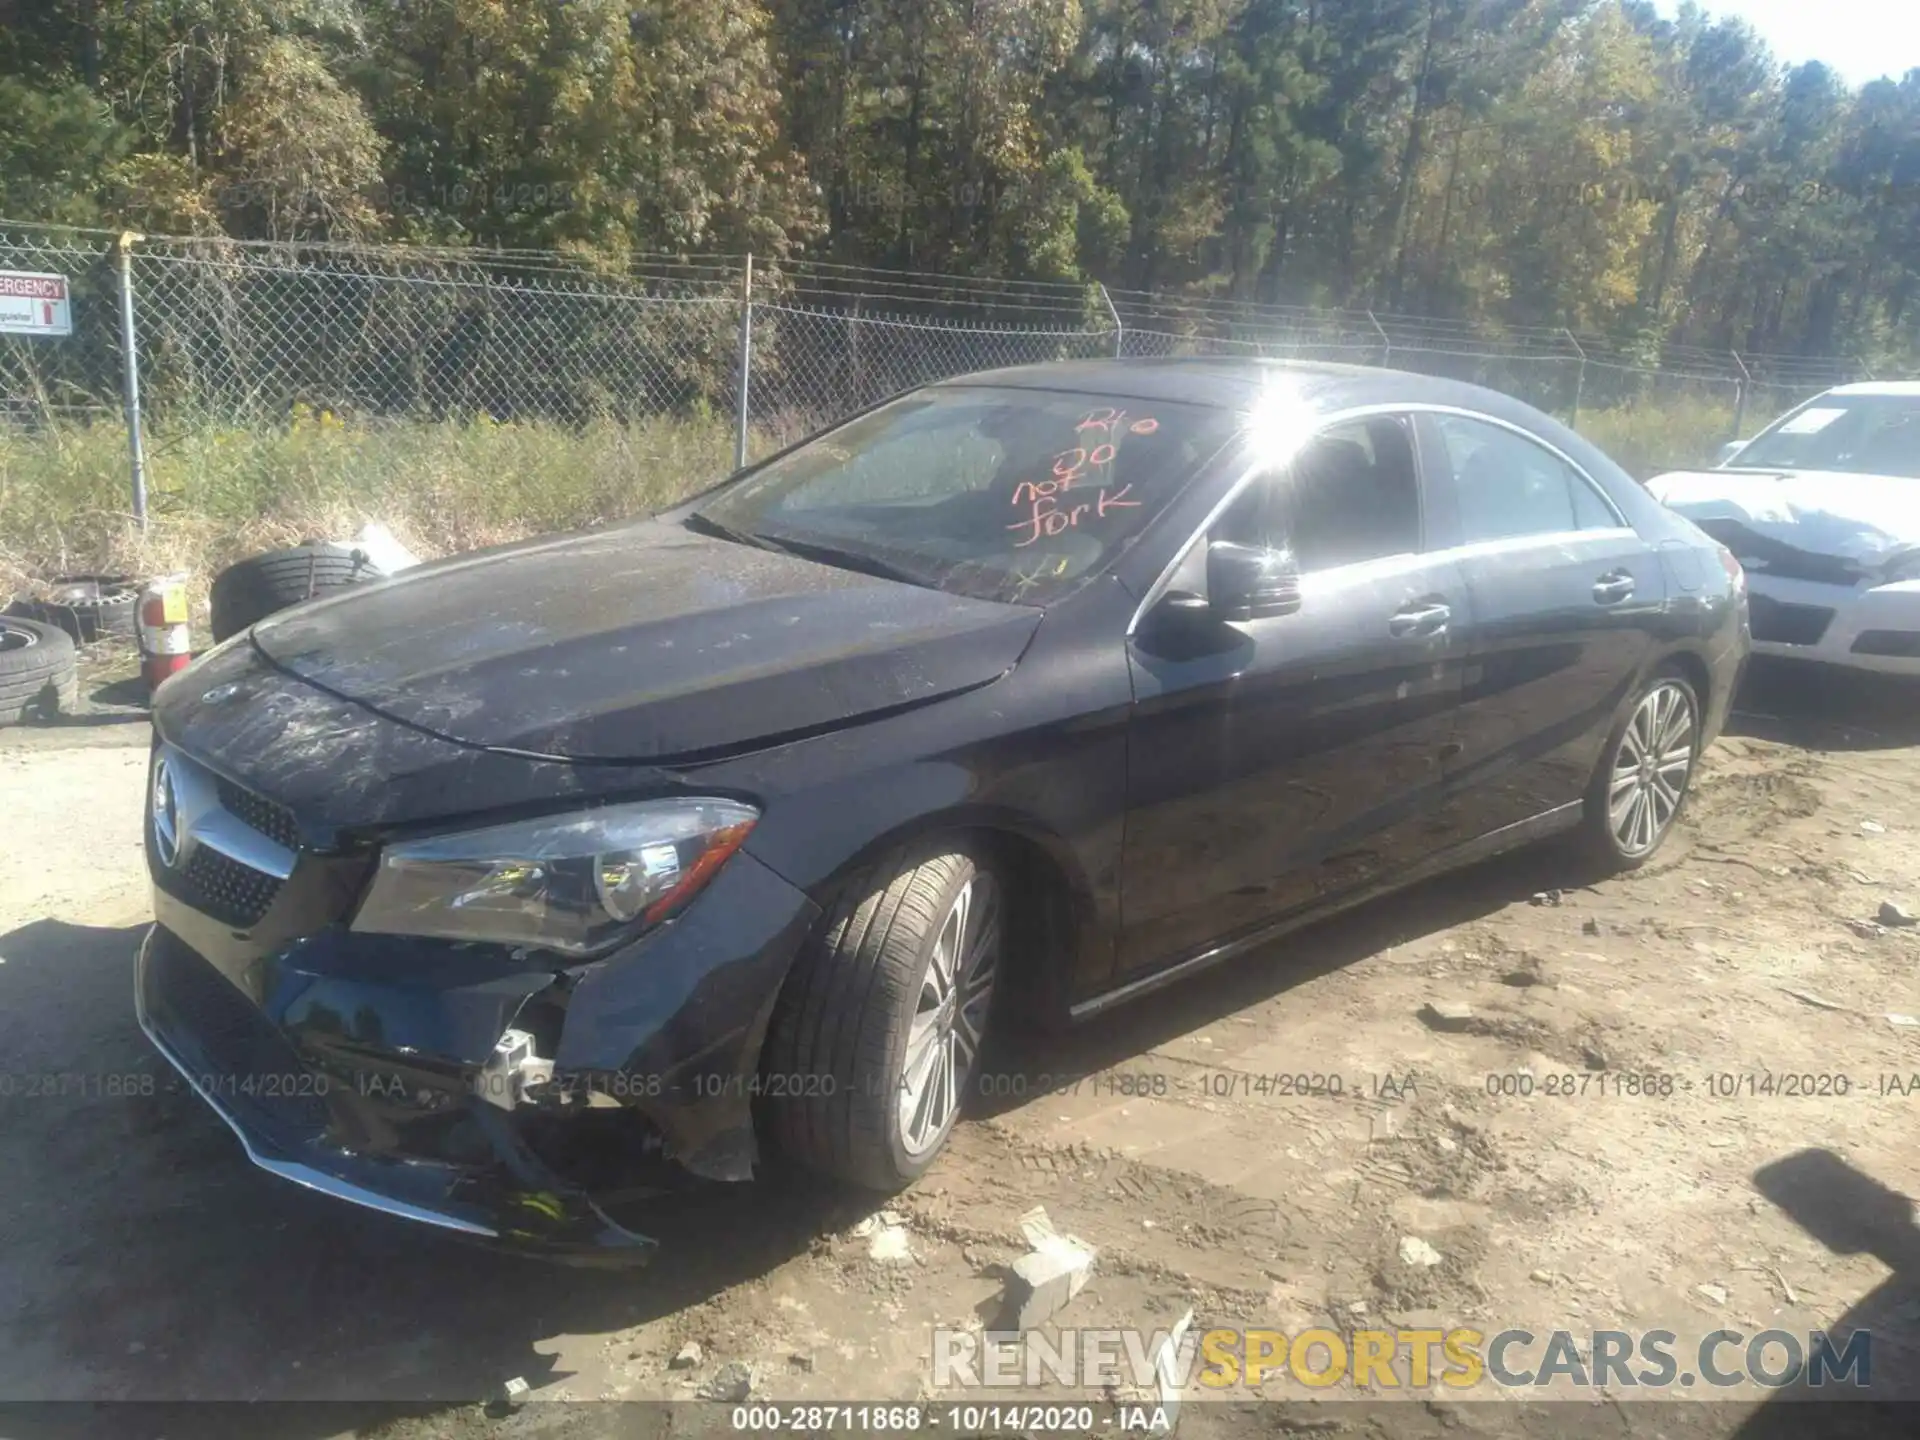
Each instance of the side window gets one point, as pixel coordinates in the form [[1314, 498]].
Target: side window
[[1351, 494], [1590, 512], [1508, 486]]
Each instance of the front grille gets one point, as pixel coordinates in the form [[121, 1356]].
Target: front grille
[[1782, 624], [271, 820], [231, 1050], [232, 893], [1902, 643]]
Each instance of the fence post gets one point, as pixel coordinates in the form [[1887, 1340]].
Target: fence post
[[1386, 345], [1579, 380], [1865, 369], [744, 395], [130, 371], [1119, 330], [1740, 395], [855, 385]]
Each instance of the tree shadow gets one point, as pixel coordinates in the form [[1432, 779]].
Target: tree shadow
[[1851, 1213]]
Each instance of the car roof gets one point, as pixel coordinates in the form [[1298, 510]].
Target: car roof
[[1238, 383], [1907, 388]]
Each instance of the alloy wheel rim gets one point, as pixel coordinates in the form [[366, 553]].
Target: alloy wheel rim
[[1651, 769], [950, 1016]]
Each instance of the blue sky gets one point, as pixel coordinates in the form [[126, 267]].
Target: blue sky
[[1861, 39]]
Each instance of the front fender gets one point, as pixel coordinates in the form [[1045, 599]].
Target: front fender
[[678, 1018]]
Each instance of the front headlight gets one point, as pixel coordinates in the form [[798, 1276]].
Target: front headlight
[[574, 883]]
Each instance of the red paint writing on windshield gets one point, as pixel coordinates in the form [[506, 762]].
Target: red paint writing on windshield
[[1050, 517], [1048, 513], [1114, 422]]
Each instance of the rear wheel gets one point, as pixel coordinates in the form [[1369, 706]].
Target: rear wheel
[[1642, 782], [878, 1033]]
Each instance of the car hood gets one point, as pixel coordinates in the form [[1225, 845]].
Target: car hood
[[1866, 520], [645, 643]]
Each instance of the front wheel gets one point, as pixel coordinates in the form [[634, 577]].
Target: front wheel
[[1643, 777], [878, 1032]]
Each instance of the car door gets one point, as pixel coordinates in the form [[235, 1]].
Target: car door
[[1565, 595], [1275, 762]]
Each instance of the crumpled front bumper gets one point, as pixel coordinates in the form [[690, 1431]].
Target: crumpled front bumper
[[510, 1197], [356, 1065]]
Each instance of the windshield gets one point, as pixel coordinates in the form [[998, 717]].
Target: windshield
[[1001, 494], [1861, 434]]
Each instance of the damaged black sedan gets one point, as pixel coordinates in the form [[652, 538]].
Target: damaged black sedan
[[726, 835]]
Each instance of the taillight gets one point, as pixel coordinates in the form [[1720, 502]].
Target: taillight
[[1731, 564]]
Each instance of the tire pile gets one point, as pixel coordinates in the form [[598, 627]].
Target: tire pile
[[261, 584], [40, 640], [87, 607], [38, 679]]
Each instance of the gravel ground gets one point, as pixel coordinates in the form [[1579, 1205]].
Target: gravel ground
[[145, 1260]]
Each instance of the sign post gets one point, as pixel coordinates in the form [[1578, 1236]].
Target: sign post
[[743, 398], [33, 303], [130, 353]]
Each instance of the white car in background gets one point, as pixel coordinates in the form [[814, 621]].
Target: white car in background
[[1823, 509]]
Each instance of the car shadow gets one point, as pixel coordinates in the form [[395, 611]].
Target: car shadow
[[1825, 707], [127, 694], [147, 1260], [1458, 898]]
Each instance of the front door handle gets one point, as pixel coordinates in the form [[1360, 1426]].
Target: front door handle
[[1427, 618], [1613, 587]]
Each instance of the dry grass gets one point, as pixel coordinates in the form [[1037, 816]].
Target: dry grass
[[220, 493], [1675, 433]]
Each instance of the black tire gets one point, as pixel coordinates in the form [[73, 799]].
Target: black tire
[[833, 1069], [1601, 827], [88, 607], [37, 674], [258, 586]]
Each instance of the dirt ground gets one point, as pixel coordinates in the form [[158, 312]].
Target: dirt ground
[[141, 1258]]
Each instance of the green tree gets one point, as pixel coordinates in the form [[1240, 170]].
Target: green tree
[[57, 144]]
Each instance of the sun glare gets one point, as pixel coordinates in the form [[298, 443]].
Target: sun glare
[[1277, 424]]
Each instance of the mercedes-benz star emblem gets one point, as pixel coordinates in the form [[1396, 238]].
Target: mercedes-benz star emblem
[[166, 816]]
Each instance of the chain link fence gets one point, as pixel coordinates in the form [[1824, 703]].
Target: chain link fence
[[1557, 370], [251, 334], [813, 364], [75, 377]]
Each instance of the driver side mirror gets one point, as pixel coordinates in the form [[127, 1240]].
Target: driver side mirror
[[1251, 582]]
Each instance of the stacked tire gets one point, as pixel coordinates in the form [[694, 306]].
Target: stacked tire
[[38, 678], [87, 607], [256, 587]]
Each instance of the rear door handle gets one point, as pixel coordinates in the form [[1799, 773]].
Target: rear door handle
[[1424, 619], [1613, 587]]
